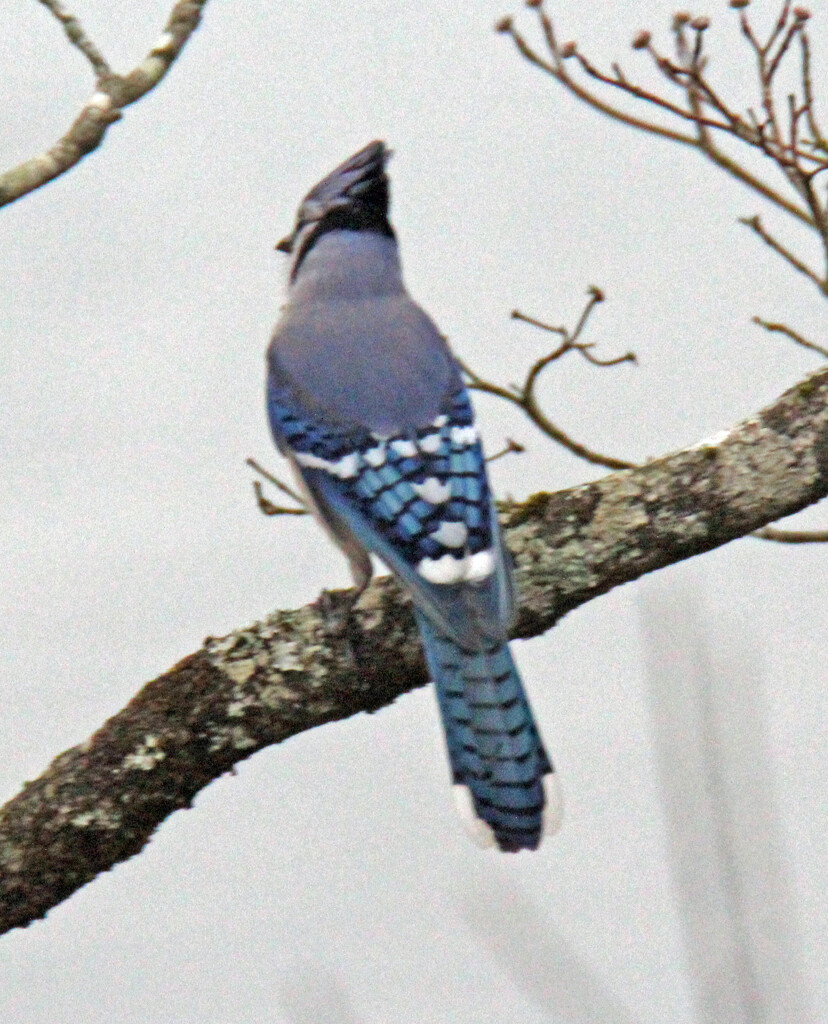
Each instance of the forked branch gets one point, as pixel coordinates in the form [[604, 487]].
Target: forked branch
[[525, 396], [112, 93]]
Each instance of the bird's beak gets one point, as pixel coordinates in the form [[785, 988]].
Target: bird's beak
[[286, 244]]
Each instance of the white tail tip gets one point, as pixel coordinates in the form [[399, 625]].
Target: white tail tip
[[554, 806], [479, 830]]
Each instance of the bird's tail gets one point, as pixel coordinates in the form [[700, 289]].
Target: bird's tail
[[504, 783]]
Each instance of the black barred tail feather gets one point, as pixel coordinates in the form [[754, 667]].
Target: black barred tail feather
[[504, 783]]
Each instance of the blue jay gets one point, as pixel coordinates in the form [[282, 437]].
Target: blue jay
[[367, 402]]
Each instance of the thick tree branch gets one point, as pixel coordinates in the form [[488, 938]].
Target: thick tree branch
[[103, 108], [99, 803]]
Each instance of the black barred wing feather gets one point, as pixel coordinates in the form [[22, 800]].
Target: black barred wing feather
[[419, 500]]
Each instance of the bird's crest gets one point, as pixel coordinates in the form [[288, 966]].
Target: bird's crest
[[354, 195]]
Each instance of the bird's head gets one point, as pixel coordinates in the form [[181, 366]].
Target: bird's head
[[353, 197]]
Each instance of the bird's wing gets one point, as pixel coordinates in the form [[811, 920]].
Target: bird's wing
[[420, 500]]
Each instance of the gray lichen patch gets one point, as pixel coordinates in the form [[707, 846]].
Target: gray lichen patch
[[278, 669], [620, 510], [103, 816], [761, 466], [281, 644], [233, 738], [146, 756]]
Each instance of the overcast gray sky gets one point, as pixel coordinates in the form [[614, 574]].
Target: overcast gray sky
[[328, 880]]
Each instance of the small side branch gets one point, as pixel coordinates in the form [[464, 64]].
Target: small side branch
[[267, 507], [789, 332], [103, 108], [525, 397], [792, 536], [78, 38], [755, 225]]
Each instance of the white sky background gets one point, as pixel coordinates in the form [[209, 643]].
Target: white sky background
[[328, 880]]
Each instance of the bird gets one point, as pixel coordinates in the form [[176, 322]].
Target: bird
[[369, 405]]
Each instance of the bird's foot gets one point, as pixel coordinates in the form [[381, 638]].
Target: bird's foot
[[337, 610]]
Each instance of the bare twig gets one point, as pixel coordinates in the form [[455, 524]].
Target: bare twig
[[542, 421], [569, 342], [800, 156], [558, 71], [737, 171], [789, 332], [619, 81], [267, 507], [818, 139], [78, 37], [792, 536], [755, 225], [103, 108], [511, 447], [627, 357]]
